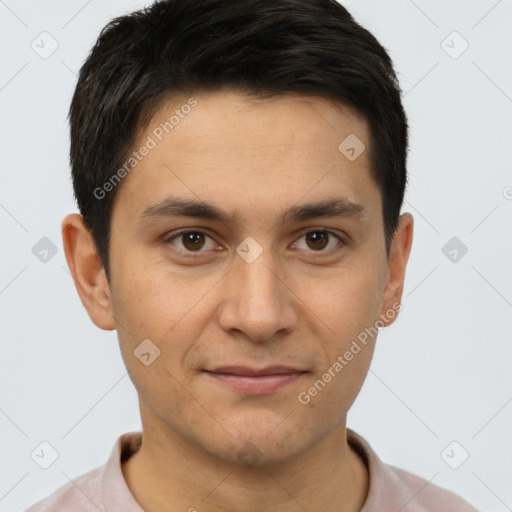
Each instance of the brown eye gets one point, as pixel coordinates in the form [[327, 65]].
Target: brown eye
[[192, 241], [318, 240]]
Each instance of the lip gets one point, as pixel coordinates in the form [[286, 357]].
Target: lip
[[246, 370], [255, 381]]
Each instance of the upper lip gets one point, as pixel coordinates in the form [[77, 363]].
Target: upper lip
[[245, 370]]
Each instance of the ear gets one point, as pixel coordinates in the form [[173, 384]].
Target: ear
[[87, 271], [397, 262]]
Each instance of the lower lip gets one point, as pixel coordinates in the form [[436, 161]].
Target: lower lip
[[258, 384]]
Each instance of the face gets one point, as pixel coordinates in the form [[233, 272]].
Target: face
[[280, 263]]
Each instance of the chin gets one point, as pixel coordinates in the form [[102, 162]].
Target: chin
[[257, 447], [253, 455]]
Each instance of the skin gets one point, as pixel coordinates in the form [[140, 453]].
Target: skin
[[299, 304]]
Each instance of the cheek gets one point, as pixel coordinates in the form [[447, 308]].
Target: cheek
[[344, 302], [169, 310], [155, 309], [156, 305], [344, 309], [345, 346], [343, 386]]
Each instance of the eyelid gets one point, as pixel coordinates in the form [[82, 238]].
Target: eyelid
[[203, 231], [342, 239], [311, 229], [189, 254]]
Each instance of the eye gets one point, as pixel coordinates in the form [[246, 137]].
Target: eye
[[319, 240], [192, 241]]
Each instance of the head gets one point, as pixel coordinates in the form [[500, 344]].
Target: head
[[261, 120], [263, 49]]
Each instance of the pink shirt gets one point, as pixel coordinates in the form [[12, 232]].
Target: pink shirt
[[390, 489]]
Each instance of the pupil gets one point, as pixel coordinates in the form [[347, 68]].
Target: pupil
[[318, 239], [193, 240]]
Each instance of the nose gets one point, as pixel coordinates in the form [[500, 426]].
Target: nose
[[258, 303]]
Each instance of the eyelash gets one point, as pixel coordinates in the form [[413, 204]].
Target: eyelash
[[195, 254]]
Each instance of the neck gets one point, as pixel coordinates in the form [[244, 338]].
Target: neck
[[169, 473]]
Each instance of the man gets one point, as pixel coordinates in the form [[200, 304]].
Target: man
[[240, 169]]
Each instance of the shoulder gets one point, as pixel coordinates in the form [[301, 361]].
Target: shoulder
[[82, 494], [422, 495], [102, 488], [391, 488]]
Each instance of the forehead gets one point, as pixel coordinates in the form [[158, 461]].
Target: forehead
[[245, 152], [290, 119]]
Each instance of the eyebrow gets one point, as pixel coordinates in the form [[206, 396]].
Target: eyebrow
[[179, 207]]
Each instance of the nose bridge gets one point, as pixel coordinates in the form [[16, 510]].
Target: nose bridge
[[257, 281], [258, 303]]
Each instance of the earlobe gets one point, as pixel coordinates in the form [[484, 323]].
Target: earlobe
[[87, 271], [397, 263]]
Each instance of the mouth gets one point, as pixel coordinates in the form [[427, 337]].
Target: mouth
[[255, 381]]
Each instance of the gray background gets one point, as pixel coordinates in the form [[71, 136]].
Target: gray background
[[441, 373]]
